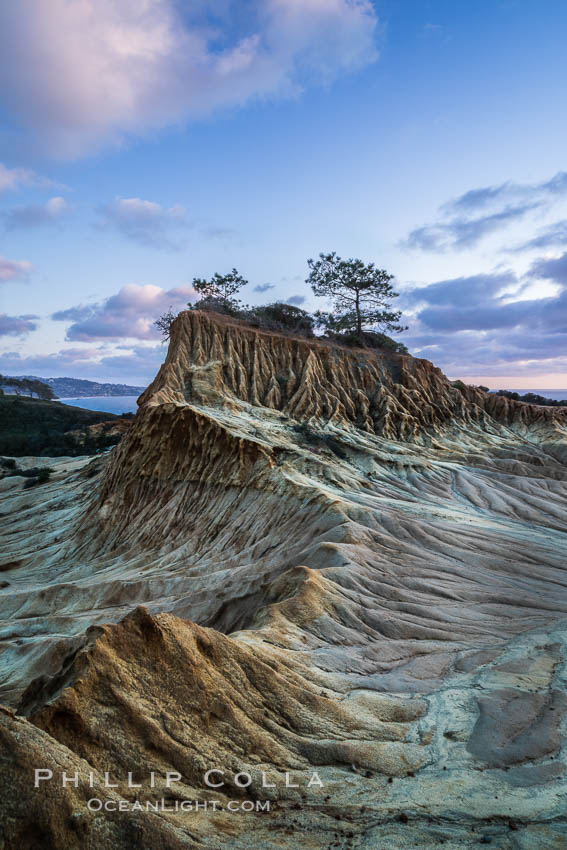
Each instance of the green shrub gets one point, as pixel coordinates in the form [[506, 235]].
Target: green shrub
[[44, 475], [370, 339], [36, 476], [281, 317], [225, 306], [31, 427]]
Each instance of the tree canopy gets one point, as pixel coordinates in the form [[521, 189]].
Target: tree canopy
[[221, 286], [361, 295], [216, 294], [164, 323], [28, 386], [361, 309]]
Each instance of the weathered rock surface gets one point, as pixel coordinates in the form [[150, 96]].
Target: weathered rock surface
[[348, 565]]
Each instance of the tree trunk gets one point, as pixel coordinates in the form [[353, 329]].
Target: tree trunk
[[358, 317]]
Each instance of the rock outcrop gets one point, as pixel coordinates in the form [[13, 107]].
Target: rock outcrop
[[348, 566]]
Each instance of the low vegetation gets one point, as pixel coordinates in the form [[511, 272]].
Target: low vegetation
[[42, 476], [35, 427], [528, 398], [34, 475], [26, 386], [532, 398], [361, 312]]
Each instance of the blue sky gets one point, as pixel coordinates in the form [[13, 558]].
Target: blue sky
[[147, 142]]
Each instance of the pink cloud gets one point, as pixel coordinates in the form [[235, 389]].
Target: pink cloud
[[130, 314], [11, 270], [83, 74], [12, 178]]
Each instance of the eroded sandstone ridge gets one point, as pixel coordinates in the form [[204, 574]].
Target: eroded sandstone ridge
[[347, 564]]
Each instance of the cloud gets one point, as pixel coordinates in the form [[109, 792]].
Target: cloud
[[550, 236], [130, 314], [214, 232], [485, 324], [73, 314], [432, 29], [35, 215], [144, 222], [554, 269], [17, 325], [296, 300], [461, 291], [264, 287], [12, 178], [460, 226], [103, 71], [488, 302], [11, 270], [509, 192], [467, 303], [461, 233], [137, 365], [511, 352]]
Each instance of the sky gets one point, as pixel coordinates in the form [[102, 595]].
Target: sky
[[147, 142]]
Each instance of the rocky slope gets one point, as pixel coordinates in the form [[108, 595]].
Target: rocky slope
[[348, 566]]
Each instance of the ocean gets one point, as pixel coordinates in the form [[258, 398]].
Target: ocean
[[109, 404]]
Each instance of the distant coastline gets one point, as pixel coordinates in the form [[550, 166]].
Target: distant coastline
[[71, 388], [107, 404]]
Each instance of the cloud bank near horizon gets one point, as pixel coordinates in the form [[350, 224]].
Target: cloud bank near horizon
[[489, 324], [131, 365]]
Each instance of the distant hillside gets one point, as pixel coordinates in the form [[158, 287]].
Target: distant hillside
[[29, 426], [25, 386], [79, 388]]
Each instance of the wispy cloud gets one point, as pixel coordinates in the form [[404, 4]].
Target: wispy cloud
[[212, 231], [13, 270], [27, 216], [130, 314], [264, 287], [460, 233], [102, 70], [464, 221], [144, 222], [13, 178], [509, 192], [548, 237], [296, 300]]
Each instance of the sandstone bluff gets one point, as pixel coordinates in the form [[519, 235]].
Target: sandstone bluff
[[299, 558]]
